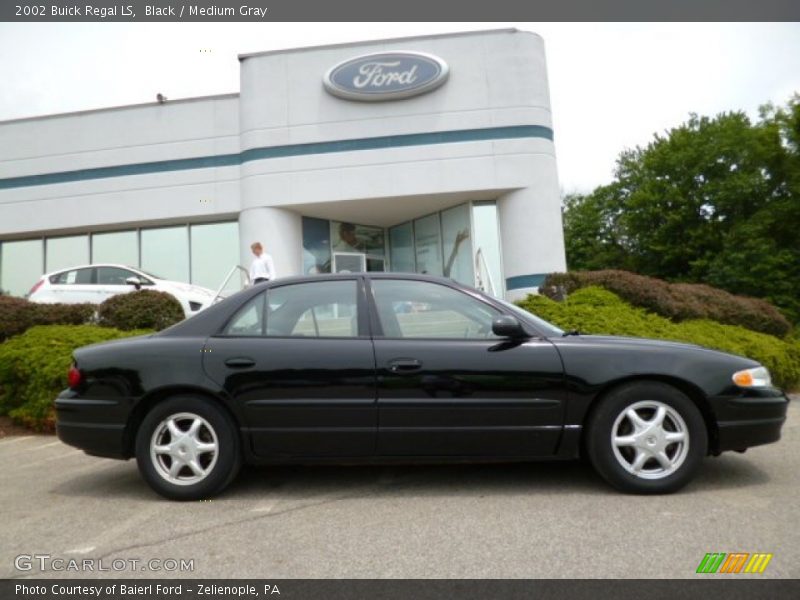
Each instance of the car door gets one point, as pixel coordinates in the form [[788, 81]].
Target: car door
[[447, 386], [75, 286], [298, 361]]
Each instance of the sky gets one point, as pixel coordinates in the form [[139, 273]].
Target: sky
[[612, 86]]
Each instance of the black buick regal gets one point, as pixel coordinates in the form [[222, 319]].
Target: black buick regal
[[405, 368]]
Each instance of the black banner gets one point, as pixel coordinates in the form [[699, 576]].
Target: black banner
[[406, 10], [419, 589]]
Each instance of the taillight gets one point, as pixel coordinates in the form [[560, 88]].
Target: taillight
[[74, 377], [36, 286]]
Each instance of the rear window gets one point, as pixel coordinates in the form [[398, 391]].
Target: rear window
[[72, 277]]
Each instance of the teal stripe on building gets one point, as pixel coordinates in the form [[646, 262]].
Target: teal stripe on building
[[525, 281], [267, 152]]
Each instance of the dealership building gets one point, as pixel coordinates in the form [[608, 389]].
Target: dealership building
[[428, 154]]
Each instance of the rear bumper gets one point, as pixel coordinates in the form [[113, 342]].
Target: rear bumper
[[750, 419], [95, 426]]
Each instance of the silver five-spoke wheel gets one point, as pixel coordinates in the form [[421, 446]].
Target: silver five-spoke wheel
[[650, 439], [184, 448]]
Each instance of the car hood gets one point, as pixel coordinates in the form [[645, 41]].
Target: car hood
[[637, 343], [187, 288]]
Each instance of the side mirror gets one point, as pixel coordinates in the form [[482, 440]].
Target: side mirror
[[508, 327], [135, 282]]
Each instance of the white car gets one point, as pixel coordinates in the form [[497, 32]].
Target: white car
[[96, 283]]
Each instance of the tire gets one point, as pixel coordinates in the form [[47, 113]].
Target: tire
[[647, 458], [187, 448]]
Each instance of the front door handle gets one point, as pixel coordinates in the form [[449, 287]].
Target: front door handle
[[404, 365], [240, 362]]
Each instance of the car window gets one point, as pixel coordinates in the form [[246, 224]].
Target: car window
[[313, 309], [248, 320], [113, 275], [419, 309], [73, 277]]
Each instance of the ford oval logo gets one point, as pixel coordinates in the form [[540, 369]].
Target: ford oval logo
[[386, 76]]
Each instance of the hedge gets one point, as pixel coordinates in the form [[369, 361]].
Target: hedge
[[677, 301], [596, 310], [145, 309], [34, 365], [18, 314]]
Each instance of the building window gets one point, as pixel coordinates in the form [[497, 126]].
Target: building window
[[340, 246], [215, 250], [119, 247], [457, 243], [65, 252], [428, 244], [165, 252], [20, 265], [349, 237], [487, 248], [316, 246], [401, 242]]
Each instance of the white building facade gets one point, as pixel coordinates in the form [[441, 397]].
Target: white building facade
[[429, 154]]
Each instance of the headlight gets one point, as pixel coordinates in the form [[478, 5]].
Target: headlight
[[755, 377]]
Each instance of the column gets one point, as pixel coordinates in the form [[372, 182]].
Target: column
[[280, 232], [531, 233]]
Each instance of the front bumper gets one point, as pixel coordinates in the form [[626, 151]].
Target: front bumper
[[95, 426], [751, 418]]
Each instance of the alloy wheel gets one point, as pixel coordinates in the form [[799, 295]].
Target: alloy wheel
[[184, 448], [650, 439]]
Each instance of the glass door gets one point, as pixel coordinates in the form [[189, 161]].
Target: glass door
[[376, 264]]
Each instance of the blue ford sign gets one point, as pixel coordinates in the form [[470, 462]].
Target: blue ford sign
[[386, 76]]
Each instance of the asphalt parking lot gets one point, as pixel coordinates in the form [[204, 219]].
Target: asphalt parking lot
[[522, 520]]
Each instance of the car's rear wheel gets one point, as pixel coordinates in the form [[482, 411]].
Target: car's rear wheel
[[646, 437], [187, 448]]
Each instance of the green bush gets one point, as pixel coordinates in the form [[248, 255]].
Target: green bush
[[34, 365], [677, 301], [596, 310], [145, 309], [18, 314]]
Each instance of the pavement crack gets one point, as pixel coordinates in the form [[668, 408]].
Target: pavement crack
[[249, 519]]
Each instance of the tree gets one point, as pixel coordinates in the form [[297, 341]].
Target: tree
[[714, 200]]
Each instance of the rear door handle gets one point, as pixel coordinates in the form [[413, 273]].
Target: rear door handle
[[404, 365], [240, 362]]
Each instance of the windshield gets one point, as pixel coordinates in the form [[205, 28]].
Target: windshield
[[547, 328]]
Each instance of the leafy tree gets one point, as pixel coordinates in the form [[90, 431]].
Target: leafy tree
[[593, 237], [714, 200]]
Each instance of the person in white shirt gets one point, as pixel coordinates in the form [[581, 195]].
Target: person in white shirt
[[262, 268]]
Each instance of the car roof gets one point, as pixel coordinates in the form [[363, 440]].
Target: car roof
[[119, 266], [367, 274]]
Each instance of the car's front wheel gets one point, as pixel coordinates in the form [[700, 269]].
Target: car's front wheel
[[647, 438], [187, 448]]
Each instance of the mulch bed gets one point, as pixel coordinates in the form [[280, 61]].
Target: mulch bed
[[9, 428]]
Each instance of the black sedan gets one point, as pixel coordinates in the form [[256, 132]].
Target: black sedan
[[405, 368]]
